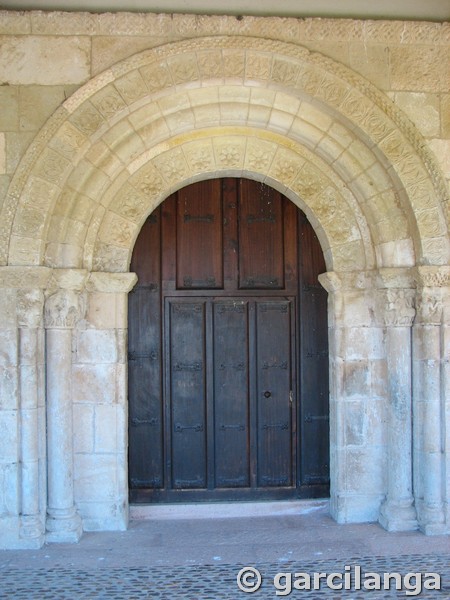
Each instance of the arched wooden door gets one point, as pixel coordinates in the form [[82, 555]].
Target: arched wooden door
[[228, 361]]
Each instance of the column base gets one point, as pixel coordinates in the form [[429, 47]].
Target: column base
[[432, 521], [63, 526], [32, 532], [396, 516]]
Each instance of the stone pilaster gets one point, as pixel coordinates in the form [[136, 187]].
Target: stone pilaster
[[432, 285], [63, 309], [356, 397], [397, 512]]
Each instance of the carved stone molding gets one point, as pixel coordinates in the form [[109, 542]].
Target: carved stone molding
[[335, 281], [68, 279], [398, 277], [64, 309], [24, 277], [111, 282], [434, 277]]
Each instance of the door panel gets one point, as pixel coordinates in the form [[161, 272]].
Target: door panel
[[261, 260], [228, 359], [231, 394], [144, 363], [199, 237], [185, 367], [314, 417], [274, 392]]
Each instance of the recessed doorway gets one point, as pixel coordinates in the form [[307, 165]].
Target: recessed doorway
[[227, 351]]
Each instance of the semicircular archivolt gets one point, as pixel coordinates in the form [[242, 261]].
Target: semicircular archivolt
[[241, 152], [138, 106]]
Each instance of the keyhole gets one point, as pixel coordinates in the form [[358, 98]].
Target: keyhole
[[267, 394]]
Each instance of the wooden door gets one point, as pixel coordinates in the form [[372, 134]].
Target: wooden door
[[227, 325]]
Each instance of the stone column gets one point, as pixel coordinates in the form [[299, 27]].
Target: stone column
[[428, 401], [62, 311], [29, 316], [398, 512]]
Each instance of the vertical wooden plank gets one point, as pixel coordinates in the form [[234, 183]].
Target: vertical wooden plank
[[314, 415], [261, 245], [274, 385], [144, 362], [290, 219], [186, 334], [230, 233], [199, 236], [168, 255], [231, 394]]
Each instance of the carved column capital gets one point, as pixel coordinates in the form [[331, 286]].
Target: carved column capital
[[30, 307], [429, 306], [64, 309], [397, 307], [432, 285]]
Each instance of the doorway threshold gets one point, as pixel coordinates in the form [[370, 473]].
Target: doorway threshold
[[226, 510]]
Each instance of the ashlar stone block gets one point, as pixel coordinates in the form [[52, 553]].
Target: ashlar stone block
[[9, 101], [356, 380], [25, 60], [95, 477], [9, 394], [104, 516], [94, 384], [105, 429], [83, 428], [9, 436], [95, 346]]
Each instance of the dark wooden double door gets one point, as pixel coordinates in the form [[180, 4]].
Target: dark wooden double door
[[228, 361]]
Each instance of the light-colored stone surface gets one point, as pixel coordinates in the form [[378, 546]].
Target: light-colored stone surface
[[2, 154], [38, 102], [103, 117], [26, 60], [423, 109]]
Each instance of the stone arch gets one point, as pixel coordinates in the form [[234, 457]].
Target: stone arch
[[328, 140], [327, 133]]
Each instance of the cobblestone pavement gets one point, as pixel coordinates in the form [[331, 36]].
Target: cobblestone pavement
[[190, 558], [214, 582]]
